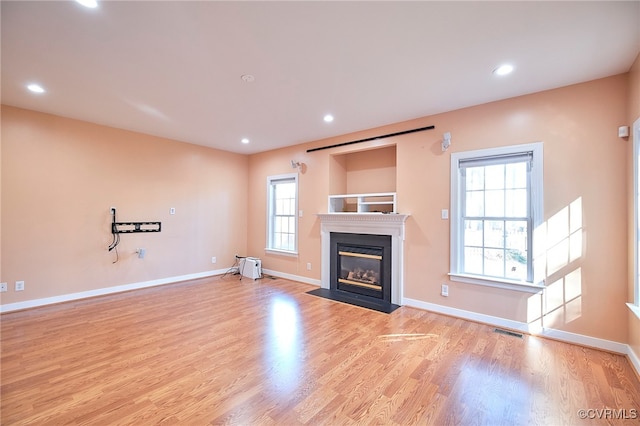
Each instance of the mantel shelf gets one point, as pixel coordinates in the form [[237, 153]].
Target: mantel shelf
[[363, 217]]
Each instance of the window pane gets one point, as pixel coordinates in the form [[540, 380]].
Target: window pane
[[475, 178], [494, 262], [494, 176], [494, 233], [473, 233], [516, 234], [472, 260], [516, 175], [516, 203], [474, 204], [285, 190], [516, 264], [494, 203]]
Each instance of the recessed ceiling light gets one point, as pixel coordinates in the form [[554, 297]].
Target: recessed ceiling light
[[328, 118], [88, 3], [244, 140], [503, 69], [35, 88]]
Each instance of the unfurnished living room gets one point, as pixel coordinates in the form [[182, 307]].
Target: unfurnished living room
[[320, 213]]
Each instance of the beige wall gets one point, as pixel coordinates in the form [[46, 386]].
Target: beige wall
[[633, 115], [61, 176], [371, 171], [584, 181]]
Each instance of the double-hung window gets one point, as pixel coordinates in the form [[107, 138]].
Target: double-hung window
[[496, 205], [282, 220]]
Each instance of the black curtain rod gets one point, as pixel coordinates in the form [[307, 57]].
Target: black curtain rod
[[404, 132]]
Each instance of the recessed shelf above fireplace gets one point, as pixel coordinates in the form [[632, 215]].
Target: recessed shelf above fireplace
[[380, 202]]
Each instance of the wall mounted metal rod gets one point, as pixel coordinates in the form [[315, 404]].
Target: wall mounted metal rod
[[404, 132]]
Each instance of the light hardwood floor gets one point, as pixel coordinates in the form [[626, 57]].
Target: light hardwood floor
[[224, 351]]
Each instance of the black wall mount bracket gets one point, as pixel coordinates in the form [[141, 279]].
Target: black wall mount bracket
[[129, 227]]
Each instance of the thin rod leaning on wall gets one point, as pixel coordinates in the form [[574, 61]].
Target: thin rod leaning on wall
[[404, 132]]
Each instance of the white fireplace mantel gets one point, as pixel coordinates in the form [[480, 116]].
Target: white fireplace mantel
[[367, 223]]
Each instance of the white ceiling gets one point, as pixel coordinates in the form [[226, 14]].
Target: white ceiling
[[173, 69]]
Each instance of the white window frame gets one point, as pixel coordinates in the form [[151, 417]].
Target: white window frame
[[271, 181], [635, 305], [536, 197]]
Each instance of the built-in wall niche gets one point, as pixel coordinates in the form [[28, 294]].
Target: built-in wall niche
[[381, 202], [362, 172]]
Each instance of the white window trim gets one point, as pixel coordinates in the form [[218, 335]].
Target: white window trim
[[635, 305], [268, 248], [537, 212]]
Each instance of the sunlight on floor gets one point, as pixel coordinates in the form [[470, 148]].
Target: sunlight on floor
[[283, 352], [407, 336]]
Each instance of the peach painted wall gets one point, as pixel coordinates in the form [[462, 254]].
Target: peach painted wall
[[371, 171], [61, 176], [633, 115], [583, 177]]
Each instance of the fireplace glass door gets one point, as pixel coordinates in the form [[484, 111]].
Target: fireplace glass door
[[360, 264], [360, 270]]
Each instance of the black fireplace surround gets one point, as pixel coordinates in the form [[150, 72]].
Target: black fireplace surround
[[361, 264], [360, 271]]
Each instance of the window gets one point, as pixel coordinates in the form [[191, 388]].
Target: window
[[282, 221], [496, 205]]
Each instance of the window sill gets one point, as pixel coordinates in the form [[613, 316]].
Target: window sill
[[523, 286], [281, 252], [635, 309]]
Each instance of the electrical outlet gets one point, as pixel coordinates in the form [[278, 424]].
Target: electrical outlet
[[3, 287], [213, 259], [19, 285], [309, 266], [445, 290], [172, 210]]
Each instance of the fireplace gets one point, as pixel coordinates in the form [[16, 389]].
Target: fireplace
[[386, 296], [361, 264]]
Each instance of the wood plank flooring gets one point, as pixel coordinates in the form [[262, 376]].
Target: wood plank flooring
[[224, 351]]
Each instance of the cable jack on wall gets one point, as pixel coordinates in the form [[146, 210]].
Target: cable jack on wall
[[118, 228]]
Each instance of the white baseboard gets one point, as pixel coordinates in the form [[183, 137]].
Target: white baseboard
[[564, 336], [134, 286], [634, 360], [104, 291], [292, 277]]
